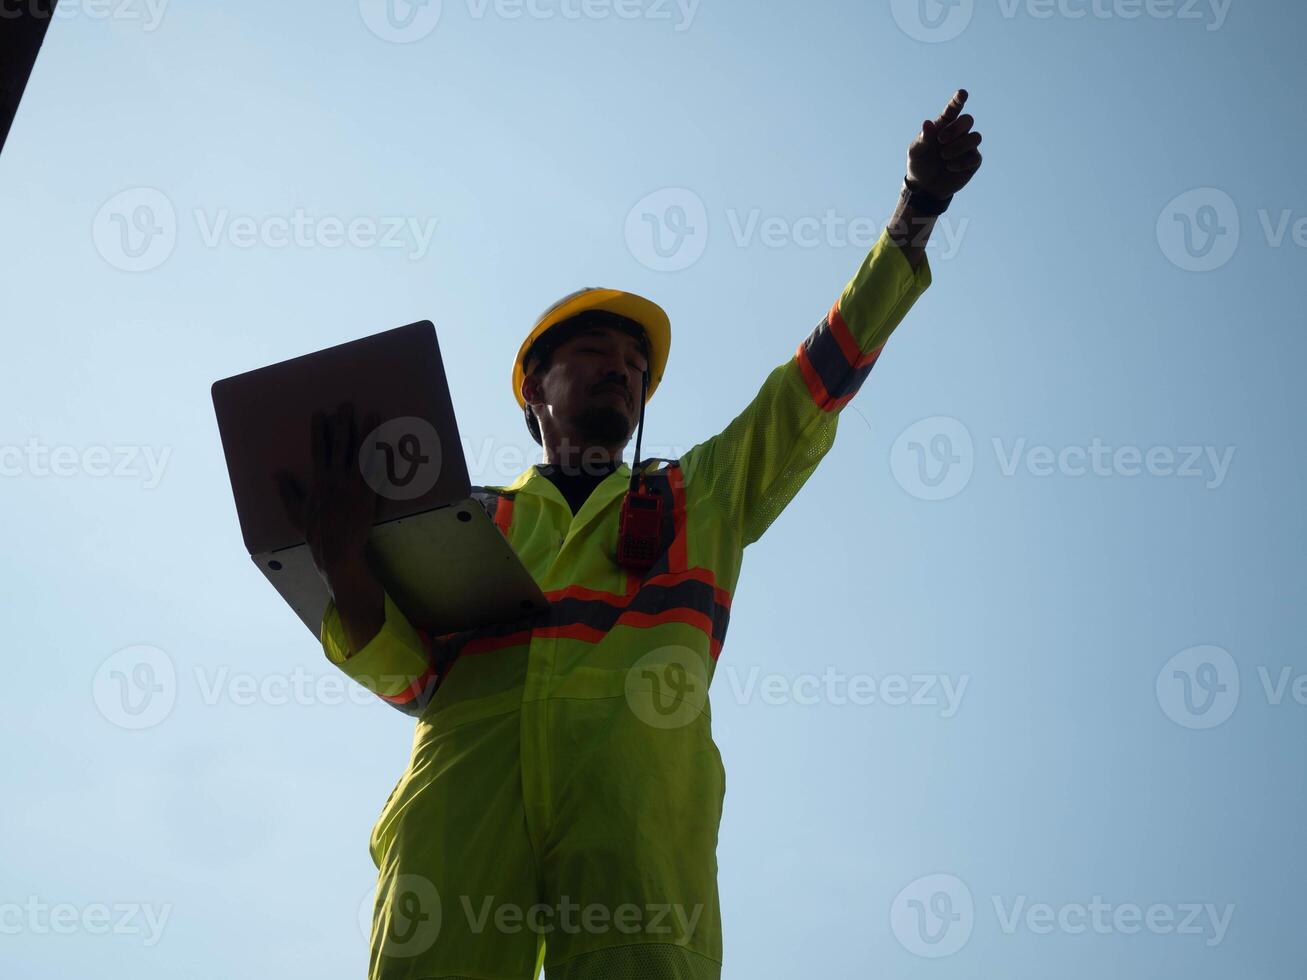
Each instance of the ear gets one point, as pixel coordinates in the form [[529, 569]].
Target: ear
[[531, 393]]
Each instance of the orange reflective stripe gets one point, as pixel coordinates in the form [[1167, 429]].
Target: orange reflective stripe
[[676, 558], [847, 344], [504, 515]]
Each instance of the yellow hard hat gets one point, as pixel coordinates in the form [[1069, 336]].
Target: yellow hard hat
[[648, 314]]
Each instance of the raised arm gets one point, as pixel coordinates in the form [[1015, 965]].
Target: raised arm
[[941, 161], [755, 466]]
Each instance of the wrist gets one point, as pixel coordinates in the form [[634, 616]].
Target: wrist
[[923, 201]]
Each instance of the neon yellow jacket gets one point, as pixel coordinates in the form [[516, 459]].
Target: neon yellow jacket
[[623, 661]]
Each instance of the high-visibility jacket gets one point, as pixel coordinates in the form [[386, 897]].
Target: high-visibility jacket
[[570, 758]]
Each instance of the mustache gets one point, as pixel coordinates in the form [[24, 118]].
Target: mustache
[[612, 383]]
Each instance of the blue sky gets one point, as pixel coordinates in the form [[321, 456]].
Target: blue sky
[[1013, 687]]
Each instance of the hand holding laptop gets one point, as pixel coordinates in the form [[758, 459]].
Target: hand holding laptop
[[335, 516], [325, 523]]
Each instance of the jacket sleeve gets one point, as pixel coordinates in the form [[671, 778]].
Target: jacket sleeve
[[396, 664], [755, 466]]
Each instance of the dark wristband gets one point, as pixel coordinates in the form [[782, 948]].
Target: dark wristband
[[923, 203]]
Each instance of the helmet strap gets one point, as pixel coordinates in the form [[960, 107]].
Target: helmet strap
[[639, 432]]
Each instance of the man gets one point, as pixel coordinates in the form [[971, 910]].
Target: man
[[562, 801]]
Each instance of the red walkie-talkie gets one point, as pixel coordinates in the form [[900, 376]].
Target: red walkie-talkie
[[639, 529]]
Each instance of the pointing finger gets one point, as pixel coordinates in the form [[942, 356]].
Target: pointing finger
[[954, 106]]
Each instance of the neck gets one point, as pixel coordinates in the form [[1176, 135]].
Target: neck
[[573, 458]]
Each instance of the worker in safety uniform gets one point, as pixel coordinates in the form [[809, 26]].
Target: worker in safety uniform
[[561, 804]]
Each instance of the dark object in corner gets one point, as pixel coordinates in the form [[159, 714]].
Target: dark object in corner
[[22, 29]]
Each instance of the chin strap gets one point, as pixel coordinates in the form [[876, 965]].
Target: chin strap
[[639, 432]]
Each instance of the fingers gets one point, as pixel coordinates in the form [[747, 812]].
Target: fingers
[[954, 107], [922, 144], [318, 443], [369, 454], [960, 126], [963, 164], [342, 435], [960, 146]]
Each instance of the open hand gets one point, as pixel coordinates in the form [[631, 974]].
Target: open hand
[[336, 512]]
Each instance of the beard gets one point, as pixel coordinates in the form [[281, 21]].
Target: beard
[[602, 425]]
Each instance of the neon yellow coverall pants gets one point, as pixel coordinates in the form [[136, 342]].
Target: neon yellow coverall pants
[[562, 801]]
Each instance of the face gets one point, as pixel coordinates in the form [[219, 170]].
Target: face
[[591, 390]]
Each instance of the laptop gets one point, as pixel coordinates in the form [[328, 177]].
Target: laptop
[[433, 547]]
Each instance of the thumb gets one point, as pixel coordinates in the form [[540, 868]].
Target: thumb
[[924, 142]]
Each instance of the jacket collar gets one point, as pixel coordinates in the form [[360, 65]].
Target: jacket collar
[[532, 481]]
